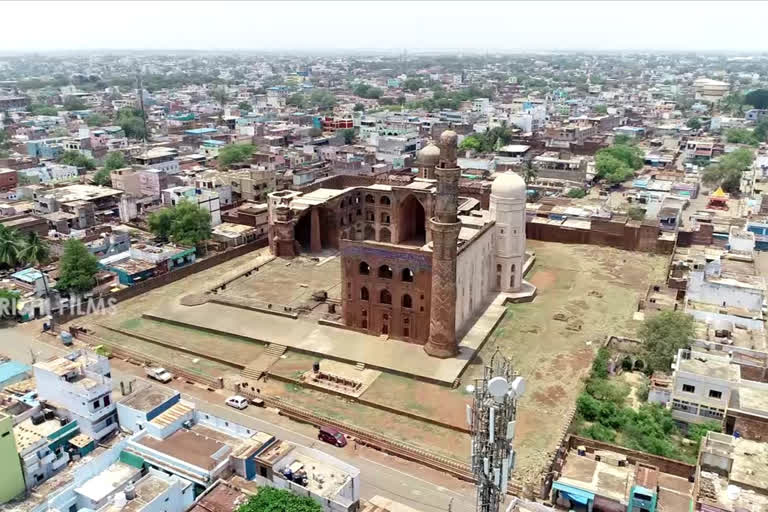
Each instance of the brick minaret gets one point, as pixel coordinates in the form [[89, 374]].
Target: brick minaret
[[445, 228]]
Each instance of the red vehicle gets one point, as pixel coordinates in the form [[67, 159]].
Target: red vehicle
[[332, 436]]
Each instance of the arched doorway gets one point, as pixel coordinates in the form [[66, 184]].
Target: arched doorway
[[303, 232], [411, 219], [370, 233], [385, 235]]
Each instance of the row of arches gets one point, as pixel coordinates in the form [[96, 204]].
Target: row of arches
[[512, 276], [386, 272], [385, 297], [385, 200]]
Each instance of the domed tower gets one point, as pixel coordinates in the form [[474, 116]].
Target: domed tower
[[507, 208], [427, 159], [445, 227]]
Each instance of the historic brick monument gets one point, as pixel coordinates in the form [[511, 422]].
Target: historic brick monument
[[418, 262]]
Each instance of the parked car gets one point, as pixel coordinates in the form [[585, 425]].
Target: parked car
[[332, 436], [237, 401], [159, 374]]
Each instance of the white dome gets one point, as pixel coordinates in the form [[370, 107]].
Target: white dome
[[509, 185], [428, 156]]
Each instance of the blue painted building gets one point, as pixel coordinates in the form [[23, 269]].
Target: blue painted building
[[12, 372], [760, 229]]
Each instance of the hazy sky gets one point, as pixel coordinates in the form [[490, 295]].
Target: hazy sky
[[454, 25]]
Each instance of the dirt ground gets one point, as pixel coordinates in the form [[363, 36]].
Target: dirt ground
[[596, 290], [593, 290]]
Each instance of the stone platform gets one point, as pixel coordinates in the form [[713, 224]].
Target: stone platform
[[327, 341]]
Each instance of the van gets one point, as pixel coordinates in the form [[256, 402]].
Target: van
[[238, 402], [332, 436]]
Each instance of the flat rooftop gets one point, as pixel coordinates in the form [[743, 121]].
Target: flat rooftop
[[599, 478], [147, 489], [220, 498], [749, 460], [103, 484], [324, 479], [710, 365], [147, 398], [28, 434], [191, 447]]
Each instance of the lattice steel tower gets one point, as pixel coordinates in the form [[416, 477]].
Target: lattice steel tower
[[492, 421]]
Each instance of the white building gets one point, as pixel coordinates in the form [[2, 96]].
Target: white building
[[206, 199], [80, 387], [507, 207], [702, 386], [710, 90]]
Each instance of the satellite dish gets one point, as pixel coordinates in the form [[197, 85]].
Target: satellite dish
[[518, 385], [470, 388], [498, 387]]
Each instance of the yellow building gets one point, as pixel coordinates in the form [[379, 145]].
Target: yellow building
[[11, 478]]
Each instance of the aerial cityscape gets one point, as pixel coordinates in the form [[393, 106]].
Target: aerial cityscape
[[383, 257]]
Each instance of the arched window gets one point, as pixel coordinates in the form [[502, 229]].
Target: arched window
[[364, 293], [407, 275], [406, 301], [369, 198], [342, 203], [385, 200], [385, 235], [498, 277], [385, 297], [512, 277], [384, 218], [385, 271], [369, 215], [364, 268]]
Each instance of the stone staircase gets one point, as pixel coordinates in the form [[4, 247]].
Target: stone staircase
[[256, 369], [360, 366]]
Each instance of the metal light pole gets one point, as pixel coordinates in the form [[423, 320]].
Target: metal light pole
[[492, 422]]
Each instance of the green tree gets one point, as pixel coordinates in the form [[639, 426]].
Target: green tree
[[741, 136], [77, 268], [96, 119], [576, 193], [471, 142], [33, 250], [618, 162], [244, 106], [102, 177], [131, 120], [296, 100], [9, 247], [694, 123], [160, 223], [601, 109], [115, 160], [322, 100], [413, 84], [270, 499], [74, 103], [529, 172], [349, 135], [761, 130], [359, 107], [727, 172], [38, 109], [757, 98], [235, 153], [77, 159], [184, 224], [662, 336], [367, 91]]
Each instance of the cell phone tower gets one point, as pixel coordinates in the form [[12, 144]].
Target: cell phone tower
[[491, 418]]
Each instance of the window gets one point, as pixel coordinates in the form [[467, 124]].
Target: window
[[364, 293], [406, 332], [369, 198], [406, 301], [263, 471], [364, 313], [384, 218], [385, 200], [364, 324], [385, 272], [688, 388], [385, 297], [106, 400], [715, 394], [364, 269], [407, 276]]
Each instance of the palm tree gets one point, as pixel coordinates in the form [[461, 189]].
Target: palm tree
[[530, 172], [9, 247], [33, 251]]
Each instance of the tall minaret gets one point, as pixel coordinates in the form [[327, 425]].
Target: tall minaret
[[445, 228]]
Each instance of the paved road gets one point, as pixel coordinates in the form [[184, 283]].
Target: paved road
[[413, 485]]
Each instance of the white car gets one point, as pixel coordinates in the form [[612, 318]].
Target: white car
[[237, 401]]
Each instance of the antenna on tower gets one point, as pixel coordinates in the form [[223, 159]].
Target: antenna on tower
[[492, 418]]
